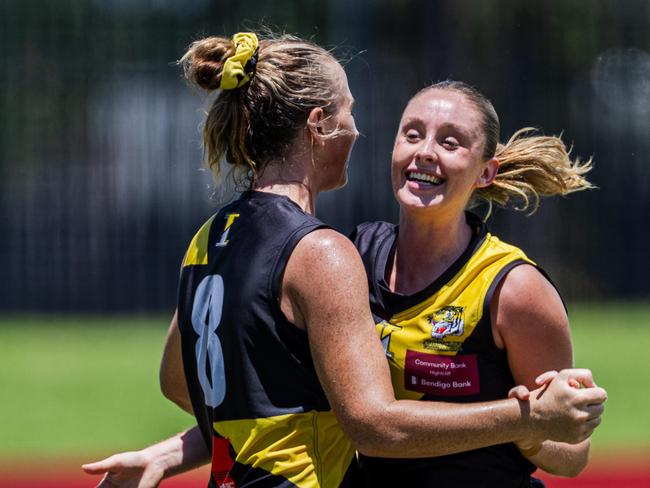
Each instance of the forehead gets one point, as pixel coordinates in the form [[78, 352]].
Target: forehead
[[443, 107]]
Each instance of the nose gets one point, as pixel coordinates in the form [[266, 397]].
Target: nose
[[426, 152]]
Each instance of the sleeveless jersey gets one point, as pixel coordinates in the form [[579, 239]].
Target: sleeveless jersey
[[440, 347], [254, 390]]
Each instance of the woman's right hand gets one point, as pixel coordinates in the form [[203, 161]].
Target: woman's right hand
[[133, 469]]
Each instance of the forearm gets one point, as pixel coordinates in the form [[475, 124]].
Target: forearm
[[561, 459], [410, 429], [180, 453]]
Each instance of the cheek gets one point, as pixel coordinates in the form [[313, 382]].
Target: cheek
[[396, 175]]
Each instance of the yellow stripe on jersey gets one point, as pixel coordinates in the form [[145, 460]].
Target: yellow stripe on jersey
[[197, 252], [441, 323], [292, 446]]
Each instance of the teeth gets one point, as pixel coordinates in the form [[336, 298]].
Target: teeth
[[425, 178]]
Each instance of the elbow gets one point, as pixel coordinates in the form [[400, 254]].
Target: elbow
[[572, 463], [374, 449], [383, 444], [571, 470], [371, 436], [567, 471], [175, 393], [373, 446]]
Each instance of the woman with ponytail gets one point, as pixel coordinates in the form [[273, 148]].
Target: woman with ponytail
[[273, 347], [464, 317]]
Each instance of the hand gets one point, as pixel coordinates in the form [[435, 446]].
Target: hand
[[563, 412], [127, 470], [530, 447], [547, 377]]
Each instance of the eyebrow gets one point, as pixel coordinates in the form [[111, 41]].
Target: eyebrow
[[445, 126], [466, 132]]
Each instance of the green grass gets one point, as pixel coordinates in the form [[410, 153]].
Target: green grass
[[83, 387], [614, 342]]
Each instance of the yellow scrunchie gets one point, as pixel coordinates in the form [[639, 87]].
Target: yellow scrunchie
[[233, 75]]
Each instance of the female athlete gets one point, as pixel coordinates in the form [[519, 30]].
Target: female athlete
[[463, 316]]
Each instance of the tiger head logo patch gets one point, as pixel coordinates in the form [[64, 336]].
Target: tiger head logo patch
[[447, 321]]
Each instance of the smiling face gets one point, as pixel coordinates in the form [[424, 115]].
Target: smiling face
[[438, 153]]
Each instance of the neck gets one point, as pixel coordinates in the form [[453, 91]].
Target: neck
[[425, 249], [292, 176], [297, 191]]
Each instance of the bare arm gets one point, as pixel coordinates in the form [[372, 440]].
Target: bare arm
[[147, 467], [172, 376], [325, 292], [529, 321]]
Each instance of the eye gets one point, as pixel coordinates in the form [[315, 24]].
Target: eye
[[450, 143], [412, 135]]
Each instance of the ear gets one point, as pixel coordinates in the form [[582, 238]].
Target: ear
[[488, 174], [315, 125]]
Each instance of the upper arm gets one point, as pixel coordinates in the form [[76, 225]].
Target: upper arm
[[172, 375], [326, 286], [530, 322]]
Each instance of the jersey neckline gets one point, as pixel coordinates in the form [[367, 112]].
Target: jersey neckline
[[395, 302]]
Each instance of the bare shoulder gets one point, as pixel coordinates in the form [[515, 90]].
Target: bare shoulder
[[323, 254], [525, 300], [325, 243], [323, 277], [524, 287]]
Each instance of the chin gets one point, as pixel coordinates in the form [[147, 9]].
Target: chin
[[408, 200]]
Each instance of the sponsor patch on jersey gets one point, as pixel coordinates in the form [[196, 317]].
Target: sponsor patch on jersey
[[434, 374], [447, 321], [441, 346]]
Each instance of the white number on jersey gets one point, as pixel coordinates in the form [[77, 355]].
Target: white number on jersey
[[206, 316]]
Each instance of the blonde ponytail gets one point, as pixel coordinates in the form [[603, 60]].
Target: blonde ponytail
[[530, 167]]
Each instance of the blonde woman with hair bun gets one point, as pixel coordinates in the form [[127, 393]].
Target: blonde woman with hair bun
[[273, 346]]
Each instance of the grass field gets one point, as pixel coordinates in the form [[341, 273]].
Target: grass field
[[83, 387]]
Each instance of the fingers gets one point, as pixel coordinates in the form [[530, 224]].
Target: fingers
[[102, 466], [106, 482], [582, 376], [594, 411], [574, 383], [593, 423], [545, 378], [588, 430], [520, 392], [592, 396], [150, 479]]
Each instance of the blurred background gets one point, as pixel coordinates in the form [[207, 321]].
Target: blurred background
[[102, 186]]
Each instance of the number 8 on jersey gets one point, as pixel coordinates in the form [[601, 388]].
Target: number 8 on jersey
[[206, 316]]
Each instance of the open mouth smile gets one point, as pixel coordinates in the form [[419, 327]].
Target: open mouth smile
[[419, 177]]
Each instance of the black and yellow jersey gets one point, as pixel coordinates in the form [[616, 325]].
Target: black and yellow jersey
[[439, 345], [251, 378]]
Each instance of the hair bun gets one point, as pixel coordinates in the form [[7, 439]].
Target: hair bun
[[203, 61]]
